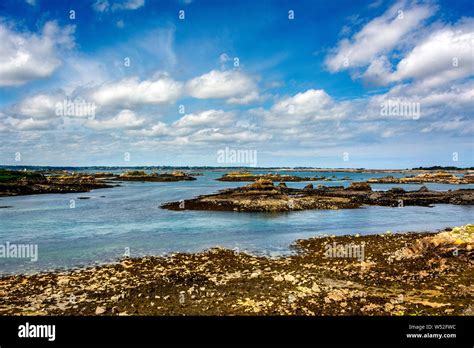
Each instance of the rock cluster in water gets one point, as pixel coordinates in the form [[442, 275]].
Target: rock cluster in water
[[438, 177], [165, 177], [15, 183], [264, 196], [246, 176]]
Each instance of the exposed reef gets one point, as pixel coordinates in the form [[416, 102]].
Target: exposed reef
[[16, 183], [246, 176], [264, 196], [438, 177], [165, 177]]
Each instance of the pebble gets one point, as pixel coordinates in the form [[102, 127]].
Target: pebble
[[100, 310]]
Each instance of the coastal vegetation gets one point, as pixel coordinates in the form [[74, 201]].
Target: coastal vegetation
[[14, 175]]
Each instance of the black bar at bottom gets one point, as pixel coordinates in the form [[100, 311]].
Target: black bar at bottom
[[291, 331]]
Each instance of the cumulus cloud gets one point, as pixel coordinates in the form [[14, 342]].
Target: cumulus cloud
[[39, 106], [131, 92], [304, 108], [125, 119], [159, 129], [235, 86], [208, 118], [457, 125], [443, 56], [29, 124], [442, 102], [190, 123], [379, 36], [26, 56]]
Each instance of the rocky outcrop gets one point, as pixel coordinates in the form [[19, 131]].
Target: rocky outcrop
[[263, 196], [360, 186], [32, 183], [438, 177], [155, 177], [246, 176]]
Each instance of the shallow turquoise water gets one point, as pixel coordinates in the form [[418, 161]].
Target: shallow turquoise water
[[99, 229]]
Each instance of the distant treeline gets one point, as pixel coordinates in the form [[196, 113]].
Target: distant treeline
[[443, 168], [133, 167]]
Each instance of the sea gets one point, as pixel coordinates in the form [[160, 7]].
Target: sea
[[77, 230]]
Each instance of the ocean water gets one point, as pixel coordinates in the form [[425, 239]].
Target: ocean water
[[100, 229]]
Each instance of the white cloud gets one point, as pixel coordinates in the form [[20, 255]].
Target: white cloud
[[239, 87], [30, 124], [210, 135], [105, 5], [101, 5], [378, 37], [443, 100], [131, 92], [458, 125], [25, 56], [125, 119], [309, 102], [443, 56], [158, 129], [224, 58], [39, 106], [208, 118], [303, 109]]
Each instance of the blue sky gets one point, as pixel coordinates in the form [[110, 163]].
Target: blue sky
[[380, 84]]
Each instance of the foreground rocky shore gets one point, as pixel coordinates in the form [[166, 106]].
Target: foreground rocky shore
[[264, 196], [387, 274]]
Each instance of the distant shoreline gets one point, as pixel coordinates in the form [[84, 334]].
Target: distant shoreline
[[448, 169]]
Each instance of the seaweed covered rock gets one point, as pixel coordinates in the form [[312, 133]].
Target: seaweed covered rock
[[359, 186]]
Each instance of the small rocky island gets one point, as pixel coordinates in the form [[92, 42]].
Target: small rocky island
[[16, 183], [438, 177], [138, 175], [246, 176], [264, 196]]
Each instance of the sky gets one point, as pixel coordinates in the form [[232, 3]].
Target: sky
[[374, 84]]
